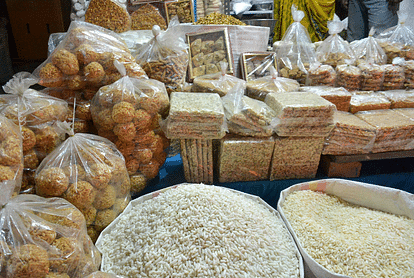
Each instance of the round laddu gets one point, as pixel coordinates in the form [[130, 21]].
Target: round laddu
[[104, 218], [45, 113], [28, 261], [65, 254], [105, 198], [122, 185], [6, 173], [66, 62], [104, 120], [51, 182], [81, 194], [120, 204], [68, 217], [75, 82], [11, 152], [144, 156], [151, 169], [126, 148], [92, 233], [47, 139], [132, 165], [57, 275], [83, 111], [138, 183], [29, 139], [123, 112], [94, 72], [99, 174], [75, 172], [42, 231], [125, 132], [30, 160], [124, 94], [50, 76], [142, 119], [90, 215], [86, 54]]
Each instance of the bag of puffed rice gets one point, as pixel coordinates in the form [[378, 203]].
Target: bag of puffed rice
[[35, 112], [165, 57], [89, 172], [334, 50], [295, 53], [368, 50], [127, 113], [42, 237]]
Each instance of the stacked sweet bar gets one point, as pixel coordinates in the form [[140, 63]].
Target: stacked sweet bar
[[372, 77], [394, 131], [369, 101], [348, 77], [409, 74], [322, 75], [400, 98], [393, 77], [197, 157], [351, 135], [301, 114], [337, 95]]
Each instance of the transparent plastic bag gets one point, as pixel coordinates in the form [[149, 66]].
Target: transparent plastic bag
[[334, 50], [259, 88], [35, 112], [372, 76], [127, 113], [110, 14], [146, 16], [165, 57], [246, 116], [44, 237], [135, 39], [296, 53], [338, 96], [349, 77], [79, 8], [101, 274], [219, 82], [321, 75], [89, 172], [240, 6], [84, 60], [368, 50], [394, 76]]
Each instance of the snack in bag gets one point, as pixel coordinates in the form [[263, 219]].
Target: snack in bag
[[110, 14], [368, 50], [89, 172]]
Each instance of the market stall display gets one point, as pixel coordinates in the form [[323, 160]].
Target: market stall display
[[90, 173], [338, 96], [351, 135], [228, 217]]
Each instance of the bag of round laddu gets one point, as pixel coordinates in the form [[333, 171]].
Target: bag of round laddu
[[35, 112], [42, 237], [89, 172]]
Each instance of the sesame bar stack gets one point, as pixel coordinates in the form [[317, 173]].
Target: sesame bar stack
[[368, 101], [400, 98], [393, 77], [337, 95], [348, 77], [372, 77], [409, 74], [322, 75]]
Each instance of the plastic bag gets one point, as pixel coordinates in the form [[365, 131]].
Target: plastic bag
[[165, 58], [246, 116], [110, 14], [368, 50], [321, 75], [348, 77], [241, 6], [89, 172], [79, 8], [11, 152], [84, 60], [101, 274], [398, 41], [42, 237], [372, 76], [135, 39], [146, 16], [127, 113], [54, 40], [255, 66], [219, 83], [36, 113], [334, 50], [296, 53], [394, 77], [259, 88]]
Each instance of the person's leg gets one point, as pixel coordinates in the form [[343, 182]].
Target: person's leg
[[357, 20], [379, 16]]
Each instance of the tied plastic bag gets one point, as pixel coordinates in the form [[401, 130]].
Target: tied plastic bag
[[241, 6], [84, 60], [296, 53], [219, 83], [35, 112], [127, 112], [42, 237], [110, 14], [398, 41], [334, 50], [246, 116], [101, 274], [89, 172], [165, 57], [11, 152], [321, 75], [259, 88], [368, 50]]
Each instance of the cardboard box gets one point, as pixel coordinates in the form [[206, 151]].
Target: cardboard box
[[33, 21]]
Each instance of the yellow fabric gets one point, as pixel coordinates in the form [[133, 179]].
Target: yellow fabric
[[317, 15]]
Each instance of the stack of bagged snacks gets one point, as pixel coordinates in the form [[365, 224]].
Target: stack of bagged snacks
[[301, 114], [409, 74], [334, 50], [337, 95], [89, 172], [84, 60], [145, 17], [36, 113], [295, 157], [220, 83], [394, 132], [246, 116], [351, 135], [348, 77], [372, 77], [322, 75], [244, 158], [296, 52], [392, 50], [368, 101], [44, 238], [165, 58], [127, 113], [195, 116], [11, 154], [216, 18], [259, 88], [109, 14], [393, 77], [197, 156], [400, 98]]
